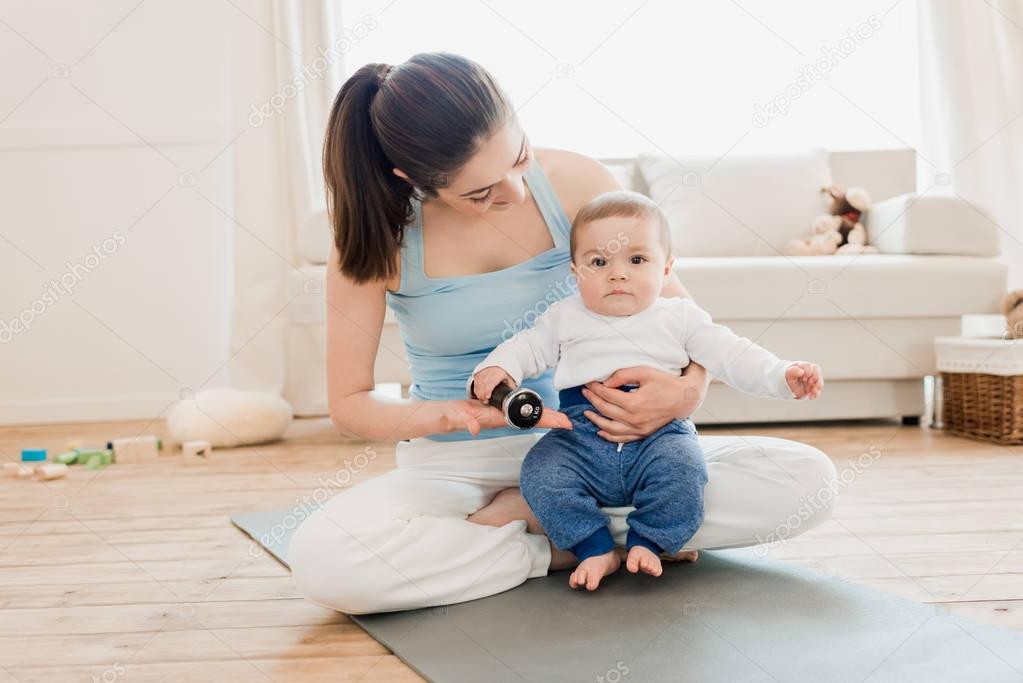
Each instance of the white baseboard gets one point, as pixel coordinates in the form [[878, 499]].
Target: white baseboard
[[80, 409]]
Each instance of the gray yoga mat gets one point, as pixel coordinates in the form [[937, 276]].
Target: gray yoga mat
[[729, 617]]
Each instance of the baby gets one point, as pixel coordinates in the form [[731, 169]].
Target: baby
[[621, 258]]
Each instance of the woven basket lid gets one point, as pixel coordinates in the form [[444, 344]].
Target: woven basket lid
[[987, 355]]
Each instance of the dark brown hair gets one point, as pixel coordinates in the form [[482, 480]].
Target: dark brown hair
[[427, 117], [623, 204]]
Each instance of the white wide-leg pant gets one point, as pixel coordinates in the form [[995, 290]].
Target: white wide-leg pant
[[402, 541]]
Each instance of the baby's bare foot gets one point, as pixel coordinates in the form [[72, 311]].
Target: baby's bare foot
[[591, 570], [643, 559]]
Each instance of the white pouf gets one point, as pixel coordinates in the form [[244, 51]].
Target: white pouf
[[228, 418]]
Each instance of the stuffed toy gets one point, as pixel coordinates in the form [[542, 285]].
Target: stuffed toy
[[1012, 309], [840, 230]]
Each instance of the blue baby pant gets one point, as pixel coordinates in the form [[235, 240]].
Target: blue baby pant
[[569, 474]]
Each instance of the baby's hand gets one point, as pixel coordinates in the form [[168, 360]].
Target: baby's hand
[[489, 377], [804, 379]]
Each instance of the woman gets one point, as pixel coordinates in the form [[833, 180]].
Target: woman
[[443, 210]]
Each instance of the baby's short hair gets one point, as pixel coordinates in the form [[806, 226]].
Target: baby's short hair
[[622, 204]]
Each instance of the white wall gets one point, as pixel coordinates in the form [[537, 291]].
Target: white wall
[[112, 117]]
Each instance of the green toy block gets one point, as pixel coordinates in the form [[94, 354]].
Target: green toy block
[[94, 462], [106, 456], [69, 458]]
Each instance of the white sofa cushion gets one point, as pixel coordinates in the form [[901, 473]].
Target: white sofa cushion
[[737, 206], [857, 287], [931, 224], [626, 172]]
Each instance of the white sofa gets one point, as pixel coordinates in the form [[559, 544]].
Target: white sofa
[[868, 320]]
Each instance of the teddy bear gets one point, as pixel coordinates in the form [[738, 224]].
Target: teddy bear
[[840, 230], [1012, 309]]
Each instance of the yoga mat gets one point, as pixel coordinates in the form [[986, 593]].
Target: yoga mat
[[729, 617]]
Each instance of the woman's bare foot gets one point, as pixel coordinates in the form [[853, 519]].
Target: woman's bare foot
[[561, 559], [507, 506], [682, 556], [591, 570], [643, 559]]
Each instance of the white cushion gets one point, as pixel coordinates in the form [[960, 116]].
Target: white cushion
[[626, 173], [858, 287], [737, 206], [931, 224]]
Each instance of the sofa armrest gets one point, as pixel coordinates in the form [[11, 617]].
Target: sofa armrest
[[931, 224]]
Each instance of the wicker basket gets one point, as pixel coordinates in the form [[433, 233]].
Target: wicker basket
[[981, 387]]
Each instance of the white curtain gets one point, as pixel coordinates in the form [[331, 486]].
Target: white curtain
[[971, 95], [285, 72]]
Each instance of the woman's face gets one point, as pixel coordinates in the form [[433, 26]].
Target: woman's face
[[492, 179]]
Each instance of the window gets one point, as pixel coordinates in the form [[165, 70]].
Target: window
[[685, 77]]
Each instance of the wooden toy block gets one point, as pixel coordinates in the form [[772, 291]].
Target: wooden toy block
[[196, 451], [11, 469], [136, 449], [53, 470], [24, 472]]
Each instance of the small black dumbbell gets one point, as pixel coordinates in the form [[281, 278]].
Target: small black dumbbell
[[522, 407]]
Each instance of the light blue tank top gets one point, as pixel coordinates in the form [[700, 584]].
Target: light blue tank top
[[450, 324]]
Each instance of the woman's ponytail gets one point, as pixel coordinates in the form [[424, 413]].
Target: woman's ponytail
[[368, 205], [427, 117]]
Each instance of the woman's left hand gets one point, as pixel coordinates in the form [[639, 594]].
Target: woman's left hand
[[632, 415]]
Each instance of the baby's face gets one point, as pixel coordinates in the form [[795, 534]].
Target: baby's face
[[620, 265]]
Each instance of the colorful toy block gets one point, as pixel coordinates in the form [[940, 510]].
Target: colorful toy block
[[33, 455]]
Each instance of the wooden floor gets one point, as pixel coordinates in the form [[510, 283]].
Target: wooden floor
[[135, 572]]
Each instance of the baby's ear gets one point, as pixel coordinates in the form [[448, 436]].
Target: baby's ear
[[668, 266]]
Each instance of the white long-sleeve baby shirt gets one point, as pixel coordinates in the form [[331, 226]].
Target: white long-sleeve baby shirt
[[586, 346]]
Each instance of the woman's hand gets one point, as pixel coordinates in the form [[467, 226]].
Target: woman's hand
[[632, 415], [474, 416]]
